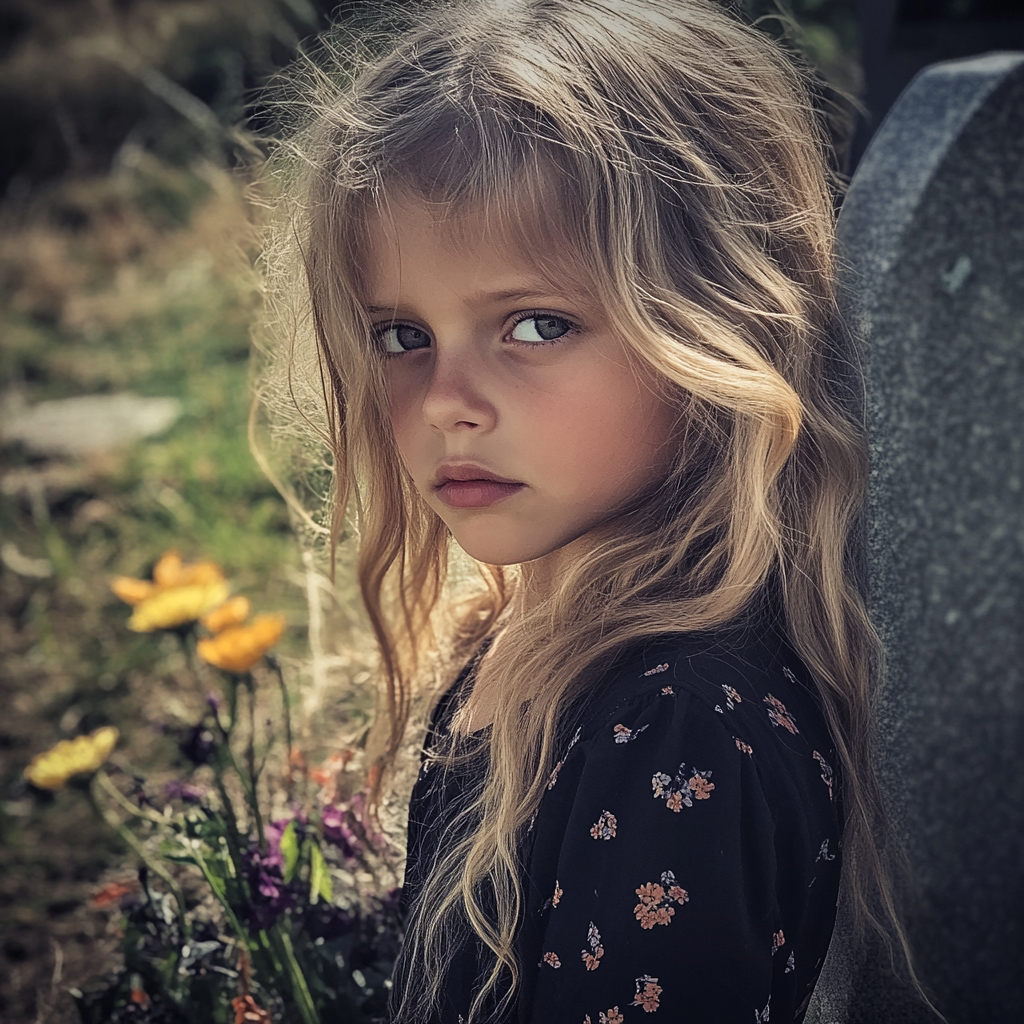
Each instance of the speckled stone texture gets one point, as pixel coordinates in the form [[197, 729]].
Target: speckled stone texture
[[932, 236]]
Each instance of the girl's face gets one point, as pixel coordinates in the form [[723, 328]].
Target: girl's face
[[517, 412]]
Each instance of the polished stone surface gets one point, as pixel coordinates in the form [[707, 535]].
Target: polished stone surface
[[932, 235]]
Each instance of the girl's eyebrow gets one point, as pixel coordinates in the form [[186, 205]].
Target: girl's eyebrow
[[486, 297]]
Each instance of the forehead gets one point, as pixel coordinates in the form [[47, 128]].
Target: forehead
[[407, 236]]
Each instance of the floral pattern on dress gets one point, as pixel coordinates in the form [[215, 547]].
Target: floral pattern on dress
[[778, 941], [605, 826], [655, 906], [613, 1016], [823, 853], [551, 959], [826, 772], [592, 957], [552, 900], [779, 716], [623, 734], [743, 748], [553, 778], [648, 993], [667, 691], [790, 964], [680, 791], [761, 1016], [732, 698], [657, 668]]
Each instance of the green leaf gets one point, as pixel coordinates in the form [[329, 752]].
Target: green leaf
[[319, 878], [290, 851]]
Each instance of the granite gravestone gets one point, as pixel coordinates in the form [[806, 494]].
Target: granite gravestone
[[932, 241]]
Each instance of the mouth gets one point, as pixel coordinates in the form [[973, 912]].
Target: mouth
[[465, 485]]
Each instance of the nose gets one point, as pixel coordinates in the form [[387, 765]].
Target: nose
[[456, 395]]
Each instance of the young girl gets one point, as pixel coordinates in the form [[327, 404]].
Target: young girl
[[570, 267]]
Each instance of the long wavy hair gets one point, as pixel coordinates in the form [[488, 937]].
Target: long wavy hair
[[670, 158]]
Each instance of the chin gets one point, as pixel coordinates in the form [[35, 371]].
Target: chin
[[503, 551]]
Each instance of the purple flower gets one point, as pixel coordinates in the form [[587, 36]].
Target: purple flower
[[346, 825], [270, 895], [336, 825], [191, 794]]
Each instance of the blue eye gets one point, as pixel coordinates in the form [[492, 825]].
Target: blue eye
[[541, 328], [402, 338]]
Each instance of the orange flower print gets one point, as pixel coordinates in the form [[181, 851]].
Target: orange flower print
[[552, 900], [605, 826], [778, 941], [551, 959], [592, 957], [779, 716], [611, 1017], [657, 668], [626, 735], [681, 790], [648, 993], [826, 772], [732, 698], [655, 906], [700, 787], [743, 748]]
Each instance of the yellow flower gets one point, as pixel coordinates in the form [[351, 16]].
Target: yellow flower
[[238, 648], [53, 768], [179, 592], [171, 571], [177, 605], [131, 590], [231, 613]]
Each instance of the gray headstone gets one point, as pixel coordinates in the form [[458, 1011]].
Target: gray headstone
[[932, 237]]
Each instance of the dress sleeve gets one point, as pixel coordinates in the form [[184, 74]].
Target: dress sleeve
[[664, 895]]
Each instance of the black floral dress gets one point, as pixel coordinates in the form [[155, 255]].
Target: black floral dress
[[684, 861]]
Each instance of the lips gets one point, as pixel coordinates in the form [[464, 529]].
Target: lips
[[465, 485]]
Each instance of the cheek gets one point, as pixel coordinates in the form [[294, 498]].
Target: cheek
[[612, 436], [401, 410]]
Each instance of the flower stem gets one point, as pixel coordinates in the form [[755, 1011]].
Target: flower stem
[[300, 989], [250, 781], [132, 841], [286, 713], [215, 884]]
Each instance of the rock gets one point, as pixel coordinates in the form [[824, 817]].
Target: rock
[[86, 425], [932, 234]]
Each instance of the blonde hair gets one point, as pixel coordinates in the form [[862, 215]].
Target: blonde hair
[[677, 158]]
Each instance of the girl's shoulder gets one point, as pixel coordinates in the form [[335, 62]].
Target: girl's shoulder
[[744, 687]]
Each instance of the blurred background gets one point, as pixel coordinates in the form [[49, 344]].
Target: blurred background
[[128, 228]]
